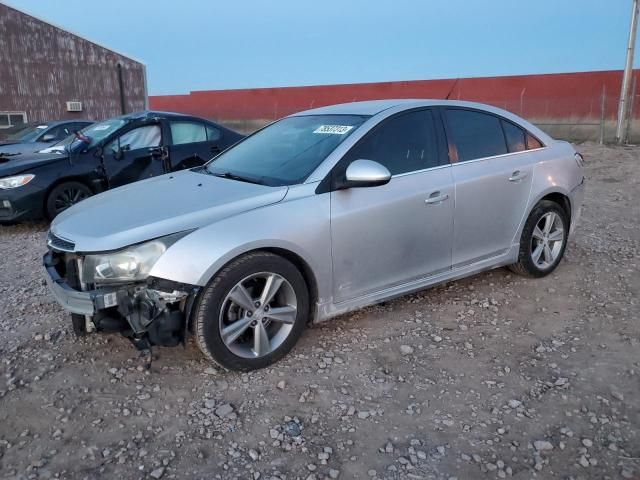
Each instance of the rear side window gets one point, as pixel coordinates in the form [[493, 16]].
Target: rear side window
[[213, 134], [404, 143], [533, 142], [187, 132], [514, 136], [475, 134]]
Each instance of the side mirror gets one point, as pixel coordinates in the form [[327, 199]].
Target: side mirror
[[366, 173], [119, 153], [48, 137]]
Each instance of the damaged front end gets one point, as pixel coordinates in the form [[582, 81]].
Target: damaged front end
[[112, 292]]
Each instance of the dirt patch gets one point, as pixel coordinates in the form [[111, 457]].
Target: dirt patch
[[493, 376]]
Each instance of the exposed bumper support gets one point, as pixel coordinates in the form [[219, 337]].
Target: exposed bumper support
[[155, 313], [81, 303]]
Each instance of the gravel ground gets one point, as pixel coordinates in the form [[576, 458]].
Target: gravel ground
[[494, 376]]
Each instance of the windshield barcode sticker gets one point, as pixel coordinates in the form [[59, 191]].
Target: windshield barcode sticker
[[333, 129]]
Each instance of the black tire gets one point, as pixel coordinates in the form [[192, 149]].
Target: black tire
[[525, 265], [208, 309], [65, 195]]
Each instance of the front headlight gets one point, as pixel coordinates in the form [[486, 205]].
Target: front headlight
[[17, 181], [132, 264]]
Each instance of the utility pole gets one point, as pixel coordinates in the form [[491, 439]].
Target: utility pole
[[626, 77]]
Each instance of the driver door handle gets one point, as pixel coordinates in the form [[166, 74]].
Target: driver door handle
[[517, 176], [436, 198], [156, 151]]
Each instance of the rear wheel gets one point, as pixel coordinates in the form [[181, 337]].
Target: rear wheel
[[253, 312], [64, 196], [543, 240]]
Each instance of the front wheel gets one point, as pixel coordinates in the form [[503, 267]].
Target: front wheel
[[543, 240], [253, 312], [64, 196]]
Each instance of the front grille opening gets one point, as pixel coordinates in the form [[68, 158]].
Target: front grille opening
[[60, 243], [66, 265]]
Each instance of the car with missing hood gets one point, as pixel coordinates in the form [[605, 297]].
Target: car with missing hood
[[105, 155], [317, 214], [32, 137]]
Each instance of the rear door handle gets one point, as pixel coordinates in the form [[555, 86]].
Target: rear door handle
[[436, 198], [215, 149], [517, 176]]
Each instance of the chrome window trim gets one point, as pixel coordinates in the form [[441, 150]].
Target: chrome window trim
[[413, 172], [468, 161], [498, 156]]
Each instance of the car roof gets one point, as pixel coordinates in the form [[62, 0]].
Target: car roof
[[145, 114], [374, 107], [54, 123], [369, 107]]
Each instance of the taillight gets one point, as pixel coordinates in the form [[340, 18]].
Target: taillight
[[579, 159]]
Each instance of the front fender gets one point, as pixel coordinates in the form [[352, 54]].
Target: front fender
[[300, 223]]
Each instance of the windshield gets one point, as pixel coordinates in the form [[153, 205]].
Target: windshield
[[28, 133], [286, 152], [95, 133]]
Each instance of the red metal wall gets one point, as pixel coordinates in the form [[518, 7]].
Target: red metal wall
[[549, 96]]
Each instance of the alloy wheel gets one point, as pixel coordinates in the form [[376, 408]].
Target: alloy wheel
[[258, 314], [547, 240], [68, 197]]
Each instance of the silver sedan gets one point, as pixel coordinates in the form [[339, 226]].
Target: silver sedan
[[317, 214]]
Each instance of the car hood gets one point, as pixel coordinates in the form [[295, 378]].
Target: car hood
[[19, 148], [23, 163], [156, 207]]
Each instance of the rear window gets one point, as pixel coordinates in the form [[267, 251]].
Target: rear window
[[475, 134]]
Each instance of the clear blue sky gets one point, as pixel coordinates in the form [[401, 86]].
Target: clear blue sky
[[211, 44]]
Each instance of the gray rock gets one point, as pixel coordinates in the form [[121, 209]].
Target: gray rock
[[541, 445], [406, 349], [292, 429], [254, 454], [157, 473], [224, 410]]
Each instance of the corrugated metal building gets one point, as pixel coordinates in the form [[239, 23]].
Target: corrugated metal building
[[48, 73]]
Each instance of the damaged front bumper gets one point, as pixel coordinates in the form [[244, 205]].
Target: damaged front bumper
[[155, 312]]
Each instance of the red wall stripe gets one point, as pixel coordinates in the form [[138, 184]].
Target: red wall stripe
[[547, 96]]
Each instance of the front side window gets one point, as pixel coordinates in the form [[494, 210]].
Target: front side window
[[404, 143], [285, 152], [187, 132], [475, 134], [141, 137]]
